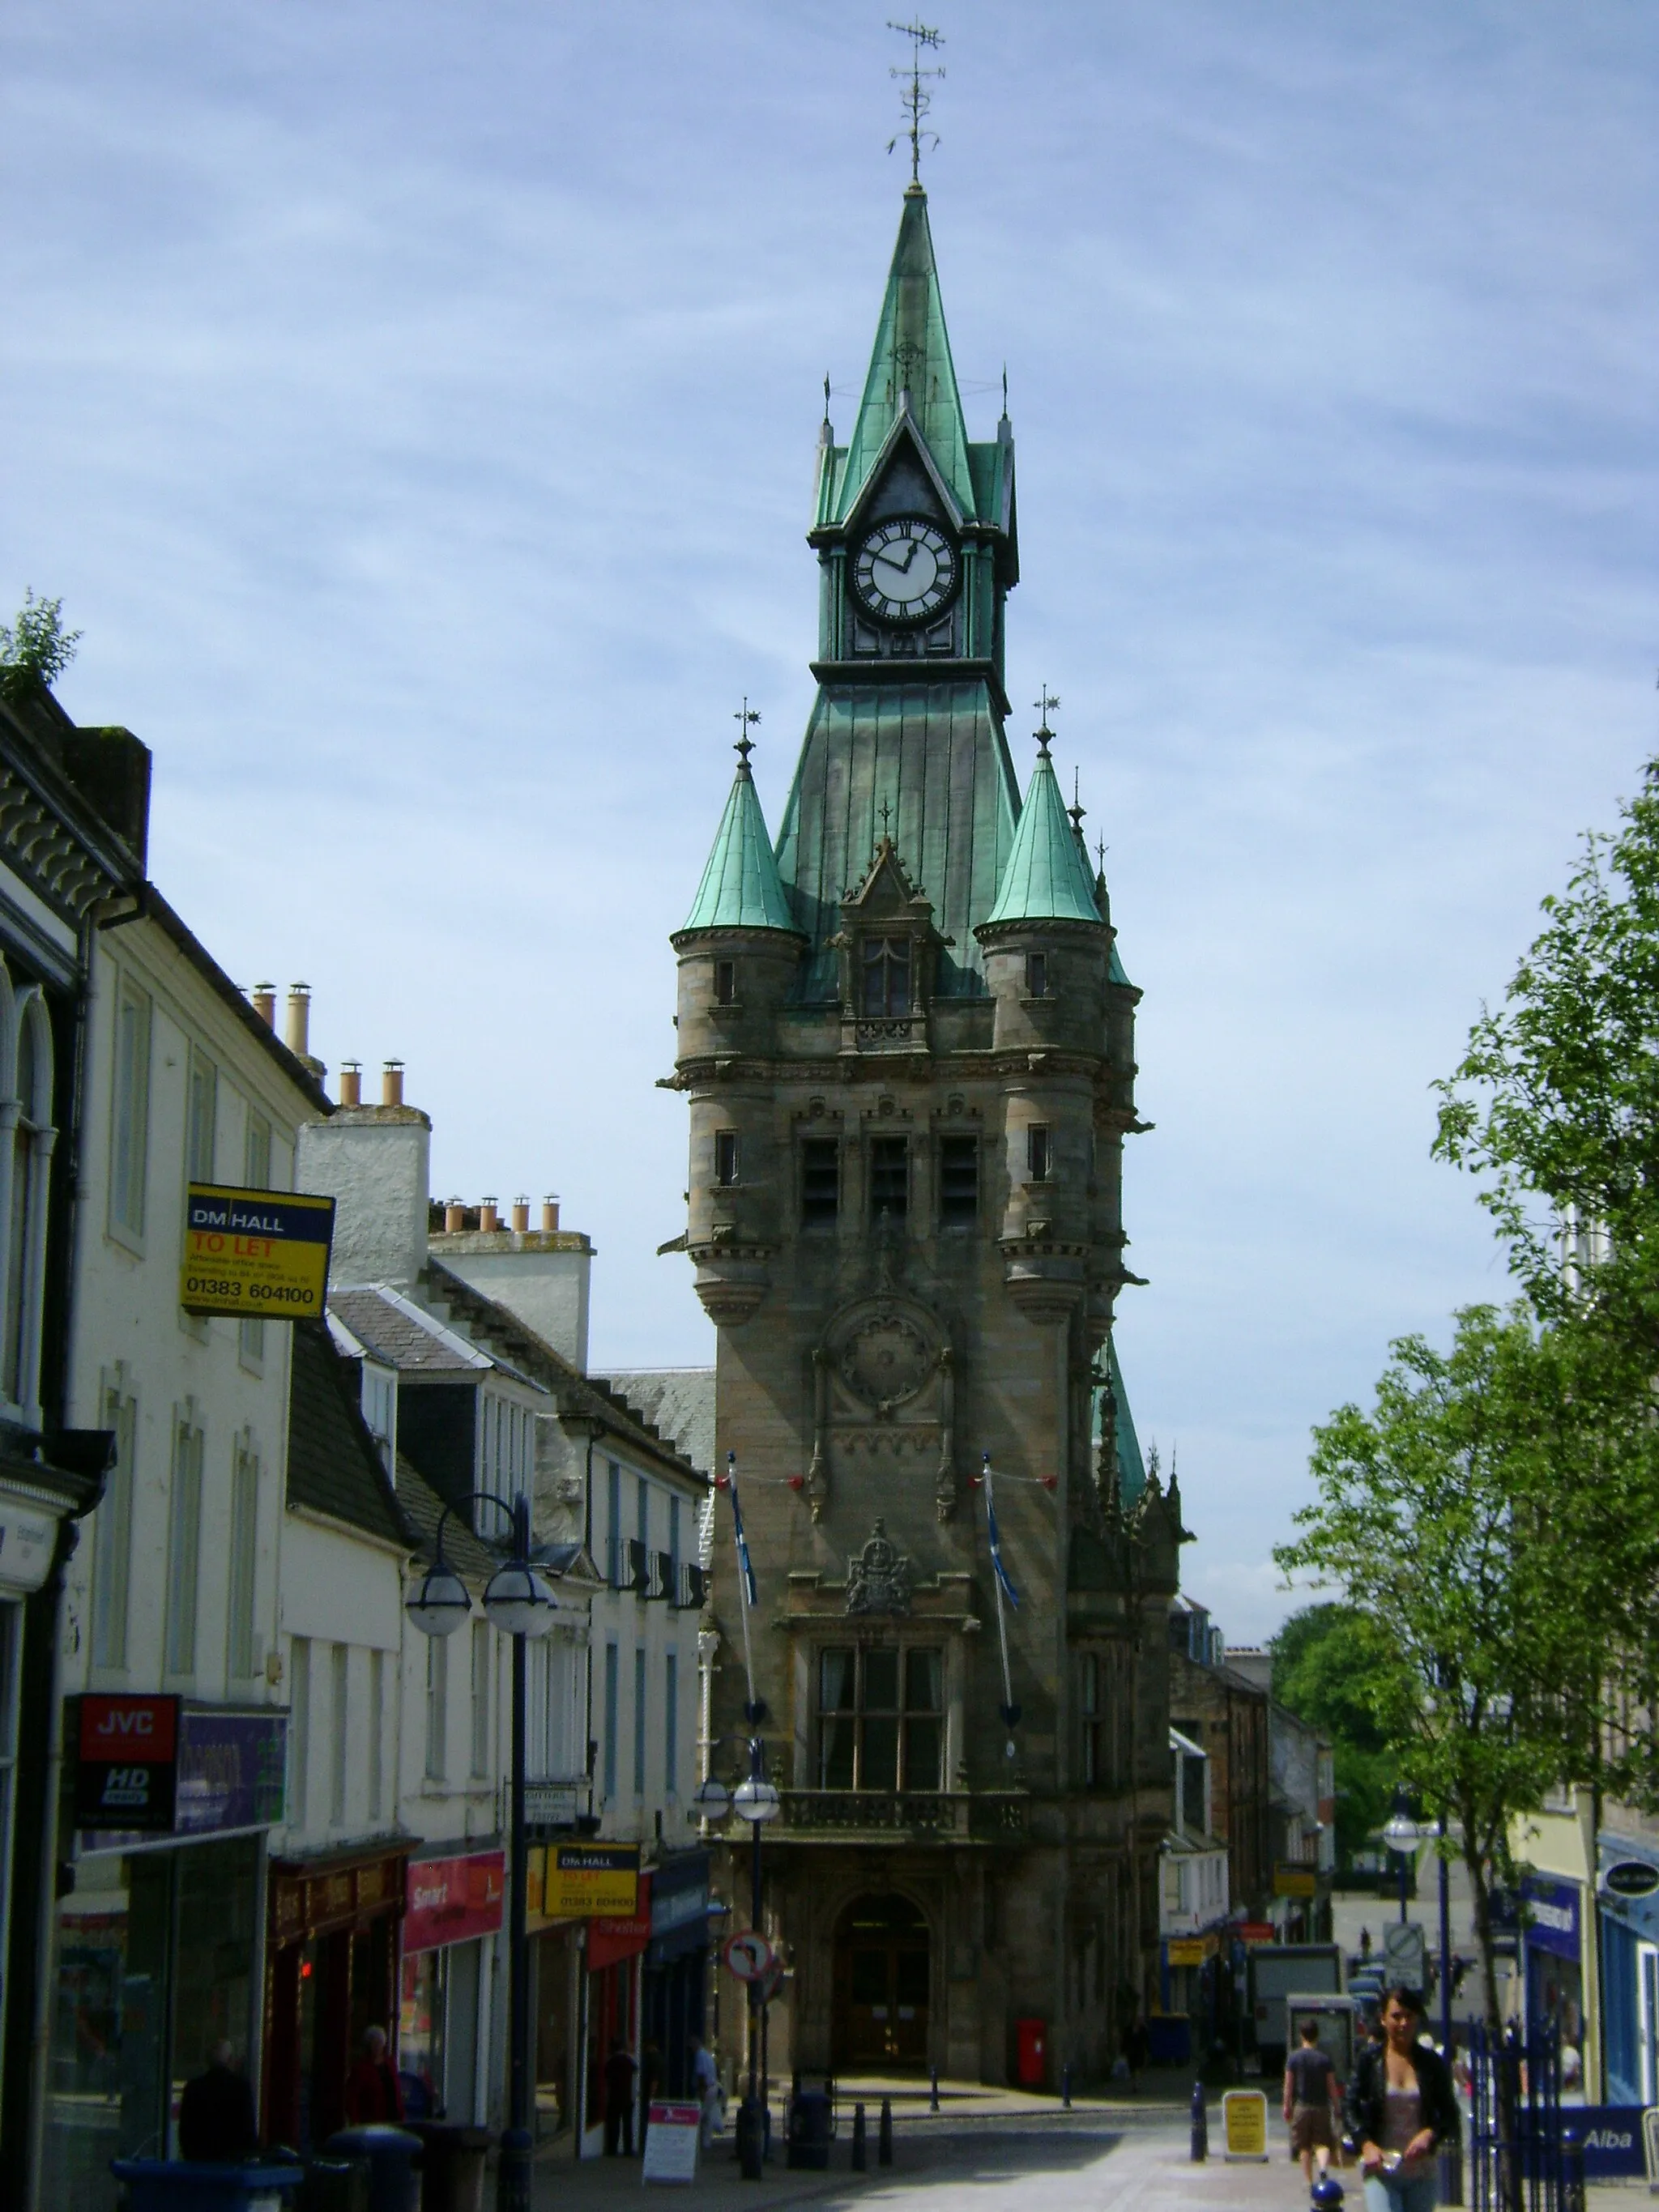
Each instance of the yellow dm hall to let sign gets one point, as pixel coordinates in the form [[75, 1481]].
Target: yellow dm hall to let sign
[[262, 1252]]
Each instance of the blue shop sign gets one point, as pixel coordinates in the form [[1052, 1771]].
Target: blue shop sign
[[1551, 1915], [679, 1906], [1611, 2136]]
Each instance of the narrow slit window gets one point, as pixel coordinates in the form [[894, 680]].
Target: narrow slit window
[[1036, 1151], [958, 1179], [726, 1156], [1036, 975], [820, 1179], [725, 982], [890, 1177]]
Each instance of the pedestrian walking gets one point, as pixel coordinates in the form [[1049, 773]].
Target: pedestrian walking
[[619, 2071], [216, 2113], [706, 2083], [1137, 2049], [1311, 2093], [1364, 1943], [1402, 2107], [374, 2094]]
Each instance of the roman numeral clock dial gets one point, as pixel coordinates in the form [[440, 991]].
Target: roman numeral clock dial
[[905, 570]]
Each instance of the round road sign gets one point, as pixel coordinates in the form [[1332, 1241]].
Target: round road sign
[[748, 1953]]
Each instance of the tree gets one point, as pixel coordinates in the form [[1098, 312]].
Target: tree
[[1459, 1521], [1324, 1658], [35, 649], [1555, 1105]]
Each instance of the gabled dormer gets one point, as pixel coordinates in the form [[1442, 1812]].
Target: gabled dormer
[[888, 948]]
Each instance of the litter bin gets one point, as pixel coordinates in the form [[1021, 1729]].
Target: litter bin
[[177, 2185], [334, 2185], [1031, 2066], [811, 2126], [394, 2175], [452, 2166]]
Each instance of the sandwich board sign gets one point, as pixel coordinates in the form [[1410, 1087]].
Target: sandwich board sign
[[1244, 2124], [671, 2142]]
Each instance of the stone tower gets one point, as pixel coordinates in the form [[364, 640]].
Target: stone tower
[[908, 1047]]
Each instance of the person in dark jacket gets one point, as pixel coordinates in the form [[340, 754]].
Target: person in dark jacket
[[374, 2094], [216, 2113], [1402, 2107], [619, 2071]]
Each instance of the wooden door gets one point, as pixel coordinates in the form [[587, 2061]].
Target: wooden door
[[883, 1985]]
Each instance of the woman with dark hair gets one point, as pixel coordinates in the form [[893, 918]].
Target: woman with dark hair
[[1402, 2107]]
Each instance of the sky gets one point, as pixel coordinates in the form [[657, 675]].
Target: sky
[[415, 407]]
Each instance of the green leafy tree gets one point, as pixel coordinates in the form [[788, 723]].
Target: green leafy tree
[[1325, 1659], [1462, 1519], [34, 649], [1555, 1105]]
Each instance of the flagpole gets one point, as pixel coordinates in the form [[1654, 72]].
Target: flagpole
[[999, 1579], [745, 1574]]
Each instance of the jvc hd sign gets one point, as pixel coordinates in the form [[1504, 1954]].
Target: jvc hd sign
[[126, 1770]]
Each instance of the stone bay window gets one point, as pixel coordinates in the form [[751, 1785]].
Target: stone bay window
[[881, 1718]]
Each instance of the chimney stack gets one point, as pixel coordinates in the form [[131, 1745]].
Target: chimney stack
[[351, 1083], [454, 1217], [392, 1083], [520, 1214], [263, 996], [549, 1213], [488, 1219], [298, 1039]]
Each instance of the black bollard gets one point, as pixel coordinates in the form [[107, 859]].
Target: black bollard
[[1065, 2088], [932, 2088], [861, 2153], [1572, 2163], [1200, 2125], [885, 2134]]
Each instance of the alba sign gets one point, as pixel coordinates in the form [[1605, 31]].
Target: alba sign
[[259, 1252]]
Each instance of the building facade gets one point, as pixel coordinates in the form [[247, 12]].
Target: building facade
[[906, 1042]]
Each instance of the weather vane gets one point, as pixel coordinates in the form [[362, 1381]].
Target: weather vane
[[1045, 706], [744, 716], [916, 99], [1077, 810], [886, 819]]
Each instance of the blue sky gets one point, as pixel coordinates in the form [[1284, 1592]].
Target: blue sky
[[415, 408]]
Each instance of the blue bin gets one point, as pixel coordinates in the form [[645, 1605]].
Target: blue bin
[[393, 2156], [812, 2124], [179, 2185]]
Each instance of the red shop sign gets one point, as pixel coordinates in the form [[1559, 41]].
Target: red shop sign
[[452, 1900], [610, 1941], [125, 1772]]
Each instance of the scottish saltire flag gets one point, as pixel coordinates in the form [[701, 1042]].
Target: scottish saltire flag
[[1009, 1591], [749, 1588]]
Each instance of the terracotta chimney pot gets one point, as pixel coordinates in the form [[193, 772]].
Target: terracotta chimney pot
[[298, 1038], [392, 1083], [549, 1214], [454, 1217], [351, 1083], [263, 996], [488, 1216], [520, 1213]]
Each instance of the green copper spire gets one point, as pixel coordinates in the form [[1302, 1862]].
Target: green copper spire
[[910, 368], [1046, 878], [741, 888]]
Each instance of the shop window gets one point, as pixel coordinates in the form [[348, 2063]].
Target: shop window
[[725, 1156], [421, 2009], [183, 1545], [725, 982], [129, 1114], [1036, 975], [958, 1180], [111, 1570], [890, 1177], [1036, 1151], [886, 978], [820, 1180], [880, 1718]]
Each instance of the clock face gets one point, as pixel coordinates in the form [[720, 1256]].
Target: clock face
[[905, 570]]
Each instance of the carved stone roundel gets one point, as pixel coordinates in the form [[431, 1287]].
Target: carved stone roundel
[[884, 1359]]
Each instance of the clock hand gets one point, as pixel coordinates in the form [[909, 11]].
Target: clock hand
[[903, 566]]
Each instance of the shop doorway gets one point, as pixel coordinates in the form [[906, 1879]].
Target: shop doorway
[[883, 1985]]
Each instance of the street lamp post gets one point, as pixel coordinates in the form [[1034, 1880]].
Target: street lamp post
[[517, 1601], [754, 1800], [1403, 1835]]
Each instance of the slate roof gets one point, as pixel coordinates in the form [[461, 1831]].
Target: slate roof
[[394, 1330], [741, 888], [680, 1402], [333, 1464], [422, 1508], [1046, 877]]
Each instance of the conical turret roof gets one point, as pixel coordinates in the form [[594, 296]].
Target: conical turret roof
[[1046, 877], [910, 367], [741, 888]]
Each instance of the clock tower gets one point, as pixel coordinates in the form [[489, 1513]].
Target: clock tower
[[907, 1045]]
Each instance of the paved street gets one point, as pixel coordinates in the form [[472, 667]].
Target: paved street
[[1098, 2158]]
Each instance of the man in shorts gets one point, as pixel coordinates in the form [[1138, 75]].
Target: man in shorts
[[1311, 2092]]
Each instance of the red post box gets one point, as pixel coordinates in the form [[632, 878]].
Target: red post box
[[1032, 2064]]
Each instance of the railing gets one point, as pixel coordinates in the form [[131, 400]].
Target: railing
[[1515, 2123], [915, 1813]]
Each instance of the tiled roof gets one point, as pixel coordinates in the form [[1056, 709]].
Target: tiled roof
[[333, 1465], [678, 1401]]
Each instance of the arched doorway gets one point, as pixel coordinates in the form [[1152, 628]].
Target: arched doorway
[[883, 1980]]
